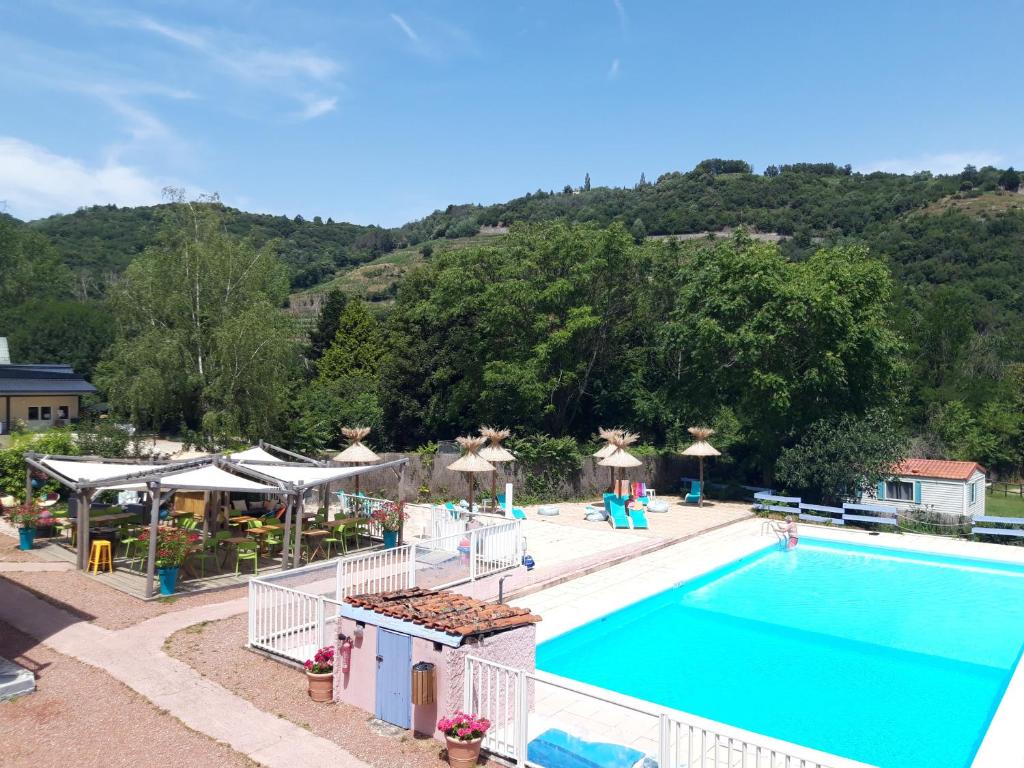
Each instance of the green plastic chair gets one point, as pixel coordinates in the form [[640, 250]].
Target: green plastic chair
[[247, 550], [129, 536], [274, 540]]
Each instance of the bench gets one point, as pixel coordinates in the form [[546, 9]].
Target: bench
[[998, 531]]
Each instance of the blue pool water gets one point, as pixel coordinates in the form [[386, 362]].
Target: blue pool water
[[892, 658]]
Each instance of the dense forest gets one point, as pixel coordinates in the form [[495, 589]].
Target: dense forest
[[890, 305]]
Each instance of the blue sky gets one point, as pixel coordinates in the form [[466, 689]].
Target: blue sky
[[382, 112]]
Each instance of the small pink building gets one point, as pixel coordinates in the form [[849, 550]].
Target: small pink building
[[389, 634]]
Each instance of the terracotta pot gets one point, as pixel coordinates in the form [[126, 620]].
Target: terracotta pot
[[321, 687], [463, 754]]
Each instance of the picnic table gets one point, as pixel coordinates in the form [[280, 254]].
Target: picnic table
[[261, 532], [315, 538]]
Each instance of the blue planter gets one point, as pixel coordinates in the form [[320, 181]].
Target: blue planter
[[390, 539], [168, 580], [25, 537]]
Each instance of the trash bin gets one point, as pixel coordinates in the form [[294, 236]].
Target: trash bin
[[423, 683]]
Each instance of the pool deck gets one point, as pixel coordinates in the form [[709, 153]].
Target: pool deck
[[581, 600]]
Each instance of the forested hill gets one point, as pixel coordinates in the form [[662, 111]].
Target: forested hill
[[805, 202], [99, 242]]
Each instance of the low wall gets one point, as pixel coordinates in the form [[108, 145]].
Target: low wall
[[431, 478]]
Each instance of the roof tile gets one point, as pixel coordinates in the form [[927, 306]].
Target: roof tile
[[938, 469], [447, 612]]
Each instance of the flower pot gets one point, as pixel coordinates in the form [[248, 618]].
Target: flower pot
[[168, 579], [25, 537], [390, 539], [321, 687], [463, 754]]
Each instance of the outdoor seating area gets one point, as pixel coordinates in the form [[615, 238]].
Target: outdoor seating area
[[232, 516]]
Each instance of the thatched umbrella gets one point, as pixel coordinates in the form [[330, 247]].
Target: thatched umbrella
[[619, 456], [495, 453], [700, 449], [470, 462], [607, 450], [356, 453]]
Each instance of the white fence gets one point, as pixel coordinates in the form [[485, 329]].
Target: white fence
[[878, 514], [523, 706], [291, 613]]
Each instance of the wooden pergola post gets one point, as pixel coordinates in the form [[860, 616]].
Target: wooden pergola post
[[297, 522], [84, 501], [286, 540], [154, 525], [28, 484]]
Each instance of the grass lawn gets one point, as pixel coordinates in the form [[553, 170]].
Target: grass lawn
[[1004, 506]]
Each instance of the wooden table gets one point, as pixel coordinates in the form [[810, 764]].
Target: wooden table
[[316, 536], [235, 541], [261, 531]]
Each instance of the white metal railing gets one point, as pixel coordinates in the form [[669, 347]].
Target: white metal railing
[[354, 505], [510, 697], [288, 622], [290, 612], [383, 570]]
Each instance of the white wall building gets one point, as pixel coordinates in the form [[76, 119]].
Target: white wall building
[[934, 485]]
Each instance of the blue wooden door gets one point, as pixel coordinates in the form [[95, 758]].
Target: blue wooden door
[[394, 678]]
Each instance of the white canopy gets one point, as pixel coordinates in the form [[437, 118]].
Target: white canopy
[[305, 475], [255, 454], [87, 472], [213, 478]]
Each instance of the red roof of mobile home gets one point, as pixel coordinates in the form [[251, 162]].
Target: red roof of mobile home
[[938, 469]]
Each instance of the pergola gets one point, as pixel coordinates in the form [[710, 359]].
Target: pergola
[[252, 471]]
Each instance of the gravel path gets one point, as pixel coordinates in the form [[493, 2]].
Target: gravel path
[[10, 553], [281, 690], [107, 607], [80, 716]]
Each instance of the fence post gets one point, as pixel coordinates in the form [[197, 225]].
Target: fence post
[[472, 553], [338, 581], [522, 716], [467, 686], [252, 611], [411, 556], [320, 626], [664, 741]]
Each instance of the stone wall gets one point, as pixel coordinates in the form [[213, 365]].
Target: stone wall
[[661, 472]]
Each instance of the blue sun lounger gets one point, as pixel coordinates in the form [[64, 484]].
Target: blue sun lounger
[[557, 749], [639, 518], [517, 513], [616, 508], [693, 497]]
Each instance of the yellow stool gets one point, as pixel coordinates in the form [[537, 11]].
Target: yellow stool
[[99, 556]]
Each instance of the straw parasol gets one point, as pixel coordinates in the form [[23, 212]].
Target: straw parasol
[[607, 449], [356, 453], [495, 453], [700, 449], [619, 456], [470, 462]]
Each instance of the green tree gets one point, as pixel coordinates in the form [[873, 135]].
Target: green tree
[[784, 344], [840, 457], [586, 183], [202, 342], [357, 345], [77, 333], [638, 231], [1009, 180], [326, 328]]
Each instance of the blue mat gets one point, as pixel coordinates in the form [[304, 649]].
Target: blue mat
[[557, 749]]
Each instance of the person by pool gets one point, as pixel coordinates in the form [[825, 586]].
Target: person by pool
[[787, 532]]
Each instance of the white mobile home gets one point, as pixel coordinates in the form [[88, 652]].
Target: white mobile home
[[946, 487]]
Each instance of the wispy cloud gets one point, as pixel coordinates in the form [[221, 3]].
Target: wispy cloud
[[285, 71], [613, 70], [620, 10], [945, 162], [317, 107], [404, 26], [35, 182]]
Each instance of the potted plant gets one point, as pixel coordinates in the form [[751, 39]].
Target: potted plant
[[26, 517], [464, 734], [173, 546], [320, 674], [390, 515]]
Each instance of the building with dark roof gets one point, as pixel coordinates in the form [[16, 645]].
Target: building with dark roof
[[41, 395]]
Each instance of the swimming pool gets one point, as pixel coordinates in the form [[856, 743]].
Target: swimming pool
[[893, 658]]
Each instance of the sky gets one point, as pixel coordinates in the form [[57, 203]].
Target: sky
[[379, 113]]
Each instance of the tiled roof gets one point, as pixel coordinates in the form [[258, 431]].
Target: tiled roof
[[445, 611], [938, 469], [45, 378]]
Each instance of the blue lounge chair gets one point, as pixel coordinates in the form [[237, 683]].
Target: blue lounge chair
[[639, 518], [557, 749], [693, 497], [452, 510], [517, 513], [617, 511]]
